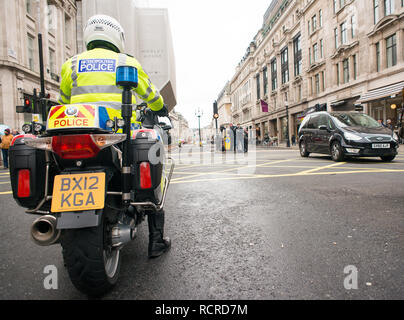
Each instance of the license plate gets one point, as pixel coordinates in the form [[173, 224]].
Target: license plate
[[381, 145], [78, 192]]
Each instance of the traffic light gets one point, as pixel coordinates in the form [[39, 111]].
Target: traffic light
[[215, 111], [28, 105]]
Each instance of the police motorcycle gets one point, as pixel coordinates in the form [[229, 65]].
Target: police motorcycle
[[92, 180]]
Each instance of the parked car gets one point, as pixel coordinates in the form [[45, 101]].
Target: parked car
[[346, 134]]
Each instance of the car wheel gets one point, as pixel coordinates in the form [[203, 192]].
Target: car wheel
[[337, 154], [303, 149], [387, 158]]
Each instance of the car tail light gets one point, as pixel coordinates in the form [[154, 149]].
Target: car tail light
[[145, 176], [76, 146], [24, 189]]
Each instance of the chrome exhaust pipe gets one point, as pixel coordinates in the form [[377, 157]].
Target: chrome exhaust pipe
[[123, 233], [44, 232]]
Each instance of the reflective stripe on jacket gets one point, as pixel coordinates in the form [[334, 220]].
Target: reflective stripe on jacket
[[91, 77]]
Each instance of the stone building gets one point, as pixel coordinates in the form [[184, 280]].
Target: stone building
[[320, 52], [61, 24], [224, 107], [20, 23]]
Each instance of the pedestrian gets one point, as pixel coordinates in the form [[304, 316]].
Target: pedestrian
[[233, 145], [239, 138], [245, 140], [293, 140], [389, 124], [5, 145]]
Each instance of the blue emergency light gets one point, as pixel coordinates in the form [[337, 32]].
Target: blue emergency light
[[126, 76]]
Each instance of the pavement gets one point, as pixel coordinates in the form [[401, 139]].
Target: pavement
[[263, 225]]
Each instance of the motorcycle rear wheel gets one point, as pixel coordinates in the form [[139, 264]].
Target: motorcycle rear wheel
[[93, 265]]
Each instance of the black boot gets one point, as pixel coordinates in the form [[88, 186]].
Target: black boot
[[157, 243]]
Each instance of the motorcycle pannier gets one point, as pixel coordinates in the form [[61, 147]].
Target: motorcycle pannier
[[27, 174], [146, 149]]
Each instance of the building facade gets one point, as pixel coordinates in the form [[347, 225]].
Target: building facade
[[224, 107], [147, 37], [20, 23], [320, 52]]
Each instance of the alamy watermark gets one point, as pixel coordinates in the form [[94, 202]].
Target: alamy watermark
[[51, 280]]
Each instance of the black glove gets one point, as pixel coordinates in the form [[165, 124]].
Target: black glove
[[163, 112]]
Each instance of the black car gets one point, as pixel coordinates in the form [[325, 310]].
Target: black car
[[346, 134]]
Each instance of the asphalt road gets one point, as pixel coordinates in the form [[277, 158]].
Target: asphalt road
[[267, 225]]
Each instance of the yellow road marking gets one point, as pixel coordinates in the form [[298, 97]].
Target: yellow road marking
[[6, 192], [4, 182], [284, 175], [321, 168], [221, 171]]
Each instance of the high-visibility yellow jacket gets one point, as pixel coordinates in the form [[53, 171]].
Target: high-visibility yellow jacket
[[91, 77]]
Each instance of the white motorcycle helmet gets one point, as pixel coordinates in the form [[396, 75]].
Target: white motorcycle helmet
[[104, 28]]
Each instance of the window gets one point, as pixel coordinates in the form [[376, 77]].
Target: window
[[284, 65], [67, 30], [297, 50], [274, 74], [311, 85], [265, 74], [310, 60], [353, 26], [52, 62], [378, 56], [375, 11], [341, 3], [315, 52], [321, 49], [355, 66], [257, 78], [388, 7], [28, 6], [323, 79], [320, 18], [343, 33], [334, 6], [345, 65], [314, 23], [336, 38], [317, 81], [313, 122], [391, 51], [31, 60], [309, 27], [337, 67], [51, 16]]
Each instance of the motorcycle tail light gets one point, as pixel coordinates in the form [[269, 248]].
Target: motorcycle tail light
[[75, 146], [24, 189], [145, 176]]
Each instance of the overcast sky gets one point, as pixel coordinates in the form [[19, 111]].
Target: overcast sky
[[210, 38]]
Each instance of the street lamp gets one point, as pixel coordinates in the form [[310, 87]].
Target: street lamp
[[199, 113]]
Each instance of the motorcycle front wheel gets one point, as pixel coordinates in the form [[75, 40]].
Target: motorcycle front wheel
[[91, 261]]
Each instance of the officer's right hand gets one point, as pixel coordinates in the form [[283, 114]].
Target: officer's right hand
[[163, 112]]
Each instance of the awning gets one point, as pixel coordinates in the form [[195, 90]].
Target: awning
[[380, 93]]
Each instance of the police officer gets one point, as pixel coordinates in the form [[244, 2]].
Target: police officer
[[91, 77]]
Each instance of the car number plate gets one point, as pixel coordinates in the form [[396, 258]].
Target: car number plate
[[78, 192], [381, 145]]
